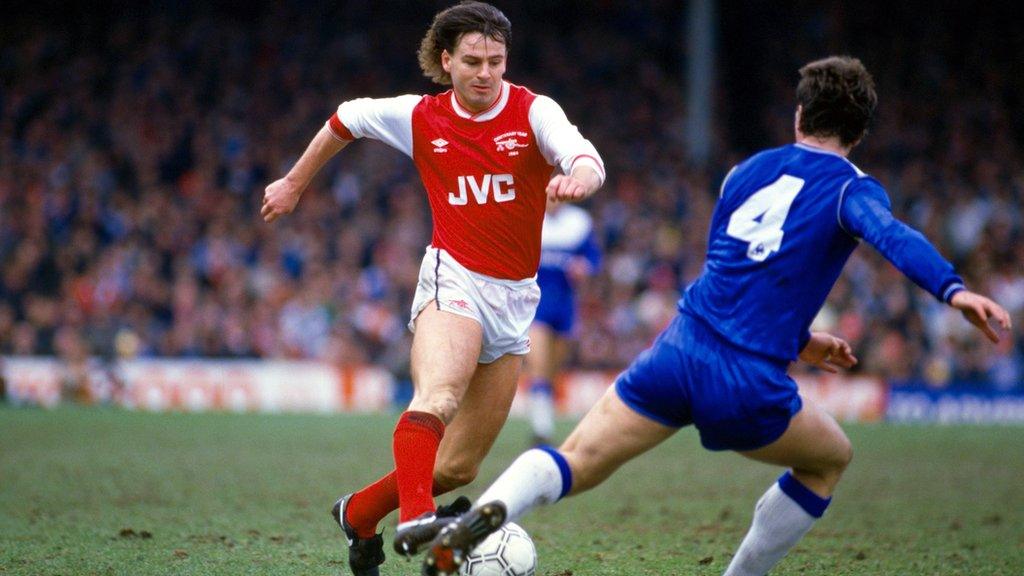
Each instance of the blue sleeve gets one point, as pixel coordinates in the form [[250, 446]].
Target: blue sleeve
[[865, 212]]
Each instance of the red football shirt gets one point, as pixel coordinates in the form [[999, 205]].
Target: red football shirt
[[484, 173]]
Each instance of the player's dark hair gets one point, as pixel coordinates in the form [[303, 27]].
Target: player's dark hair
[[837, 98], [450, 25]]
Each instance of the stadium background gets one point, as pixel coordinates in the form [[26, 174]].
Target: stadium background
[[136, 139]]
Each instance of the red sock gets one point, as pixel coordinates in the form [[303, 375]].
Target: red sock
[[370, 505], [366, 508], [417, 436]]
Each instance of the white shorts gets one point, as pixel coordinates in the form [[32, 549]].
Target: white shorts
[[504, 308]]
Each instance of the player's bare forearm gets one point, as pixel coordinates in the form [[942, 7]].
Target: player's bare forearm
[[281, 196], [589, 177], [322, 148]]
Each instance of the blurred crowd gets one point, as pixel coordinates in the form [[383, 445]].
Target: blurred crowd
[[134, 149]]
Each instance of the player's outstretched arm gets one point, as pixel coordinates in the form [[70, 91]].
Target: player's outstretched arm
[[281, 196], [978, 310], [579, 185], [828, 352], [866, 213]]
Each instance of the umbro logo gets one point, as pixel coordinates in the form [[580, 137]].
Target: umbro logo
[[439, 145]]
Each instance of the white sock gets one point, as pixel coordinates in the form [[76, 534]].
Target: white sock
[[539, 476], [542, 409], [781, 518]]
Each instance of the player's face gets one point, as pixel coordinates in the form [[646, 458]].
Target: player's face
[[476, 69]]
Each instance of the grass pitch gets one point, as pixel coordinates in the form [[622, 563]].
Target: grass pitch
[[106, 492]]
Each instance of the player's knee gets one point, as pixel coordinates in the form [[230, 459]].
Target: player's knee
[[838, 452], [828, 469], [841, 456], [846, 453], [451, 475], [833, 467], [439, 401]]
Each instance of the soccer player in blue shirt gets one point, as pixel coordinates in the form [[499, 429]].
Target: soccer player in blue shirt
[[787, 221], [569, 254]]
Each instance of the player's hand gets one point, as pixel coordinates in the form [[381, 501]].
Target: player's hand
[[828, 352], [564, 188], [280, 198], [978, 310]]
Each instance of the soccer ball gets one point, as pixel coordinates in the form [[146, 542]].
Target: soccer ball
[[507, 552]]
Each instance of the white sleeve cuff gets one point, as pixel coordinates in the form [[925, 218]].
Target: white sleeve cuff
[[587, 160]]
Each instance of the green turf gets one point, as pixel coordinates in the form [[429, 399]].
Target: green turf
[[86, 491]]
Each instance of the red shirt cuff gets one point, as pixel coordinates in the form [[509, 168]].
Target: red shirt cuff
[[339, 129]]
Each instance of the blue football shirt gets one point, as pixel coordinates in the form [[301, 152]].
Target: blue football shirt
[[785, 225]]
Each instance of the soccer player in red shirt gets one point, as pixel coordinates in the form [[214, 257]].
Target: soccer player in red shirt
[[485, 151]]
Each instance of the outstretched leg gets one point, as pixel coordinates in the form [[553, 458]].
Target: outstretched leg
[[608, 436], [467, 440], [444, 357], [817, 451]]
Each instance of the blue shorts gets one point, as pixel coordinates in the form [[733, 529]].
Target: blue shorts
[[738, 400], [557, 309]]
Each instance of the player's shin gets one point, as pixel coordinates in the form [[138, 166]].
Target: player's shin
[[539, 476], [416, 440], [781, 518]]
